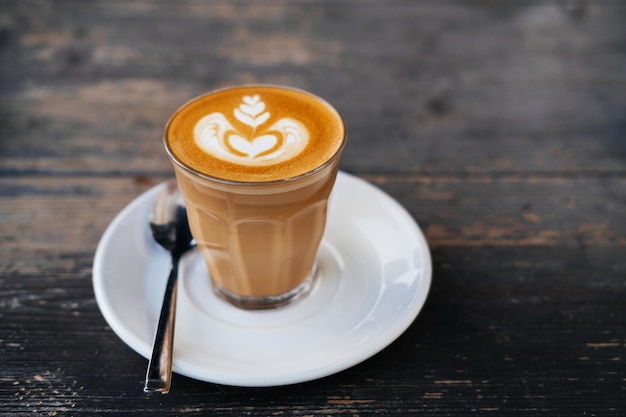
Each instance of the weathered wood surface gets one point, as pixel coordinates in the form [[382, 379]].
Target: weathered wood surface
[[499, 125]]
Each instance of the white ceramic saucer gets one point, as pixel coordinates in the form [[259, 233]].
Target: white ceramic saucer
[[374, 276]]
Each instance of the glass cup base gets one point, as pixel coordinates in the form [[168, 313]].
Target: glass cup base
[[270, 301]]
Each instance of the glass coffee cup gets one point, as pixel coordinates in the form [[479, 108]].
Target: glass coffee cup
[[256, 165]]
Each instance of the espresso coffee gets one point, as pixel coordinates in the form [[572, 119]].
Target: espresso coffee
[[256, 166], [255, 133]]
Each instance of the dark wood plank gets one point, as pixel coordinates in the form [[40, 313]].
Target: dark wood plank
[[453, 211], [492, 336]]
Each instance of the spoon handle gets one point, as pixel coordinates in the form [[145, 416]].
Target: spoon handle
[[158, 376]]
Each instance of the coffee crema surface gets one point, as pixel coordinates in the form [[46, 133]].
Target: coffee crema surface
[[255, 133]]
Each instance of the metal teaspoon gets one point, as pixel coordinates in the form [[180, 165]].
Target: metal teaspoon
[[170, 229]]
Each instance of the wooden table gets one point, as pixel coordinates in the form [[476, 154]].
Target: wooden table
[[499, 125]]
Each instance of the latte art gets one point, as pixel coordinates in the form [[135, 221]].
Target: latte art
[[255, 133], [256, 142]]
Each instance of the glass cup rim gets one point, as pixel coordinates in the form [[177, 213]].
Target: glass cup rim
[[225, 181]]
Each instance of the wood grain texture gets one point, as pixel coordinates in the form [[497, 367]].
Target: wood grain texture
[[499, 125]]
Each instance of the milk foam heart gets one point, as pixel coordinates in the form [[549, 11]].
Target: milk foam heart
[[253, 148]]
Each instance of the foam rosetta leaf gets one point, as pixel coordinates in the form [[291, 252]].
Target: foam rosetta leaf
[[250, 112]]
